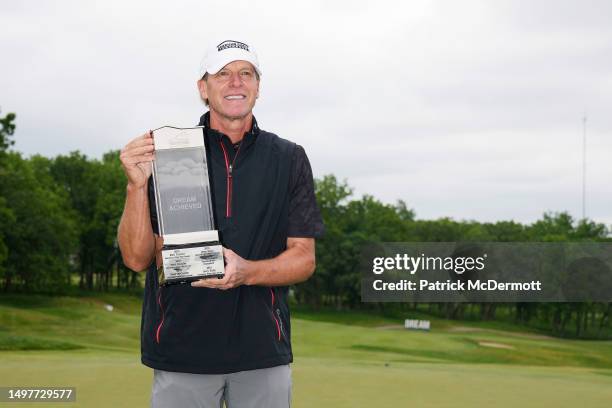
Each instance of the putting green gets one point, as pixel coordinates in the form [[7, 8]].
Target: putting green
[[347, 361], [112, 379]]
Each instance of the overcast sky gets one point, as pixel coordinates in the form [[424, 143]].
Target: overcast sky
[[470, 109]]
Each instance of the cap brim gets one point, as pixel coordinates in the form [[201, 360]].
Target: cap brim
[[231, 56]]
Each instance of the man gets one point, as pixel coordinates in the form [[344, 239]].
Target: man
[[227, 340]]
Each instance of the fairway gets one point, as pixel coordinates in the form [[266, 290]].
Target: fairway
[[346, 361]]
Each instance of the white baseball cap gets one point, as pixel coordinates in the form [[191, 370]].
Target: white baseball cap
[[220, 54]]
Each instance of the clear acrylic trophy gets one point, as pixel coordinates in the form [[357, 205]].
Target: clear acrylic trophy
[[191, 248]]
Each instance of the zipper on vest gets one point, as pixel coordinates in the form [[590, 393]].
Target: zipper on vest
[[228, 171]]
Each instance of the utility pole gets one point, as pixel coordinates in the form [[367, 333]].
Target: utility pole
[[584, 125]]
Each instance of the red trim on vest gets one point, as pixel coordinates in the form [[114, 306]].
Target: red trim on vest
[[159, 326], [228, 171], [275, 319]]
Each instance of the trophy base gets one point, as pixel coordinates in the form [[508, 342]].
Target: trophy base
[[187, 263]]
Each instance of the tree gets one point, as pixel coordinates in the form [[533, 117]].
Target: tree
[[7, 218], [79, 178], [41, 236], [349, 225], [109, 206], [331, 195], [7, 130]]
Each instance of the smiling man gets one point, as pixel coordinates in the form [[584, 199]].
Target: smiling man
[[227, 340]]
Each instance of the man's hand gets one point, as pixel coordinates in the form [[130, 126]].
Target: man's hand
[[236, 273], [294, 265], [136, 159], [135, 236]]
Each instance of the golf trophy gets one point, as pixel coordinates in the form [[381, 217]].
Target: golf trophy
[[191, 249]]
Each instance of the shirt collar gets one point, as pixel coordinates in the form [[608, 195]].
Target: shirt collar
[[212, 134], [205, 121]]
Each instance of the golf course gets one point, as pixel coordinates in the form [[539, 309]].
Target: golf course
[[342, 359]]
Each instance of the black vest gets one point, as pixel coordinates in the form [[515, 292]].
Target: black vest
[[209, 331]]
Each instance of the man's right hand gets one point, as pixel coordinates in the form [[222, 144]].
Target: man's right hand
[[136, 158]]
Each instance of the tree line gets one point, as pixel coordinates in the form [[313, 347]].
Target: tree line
[[59, 218], [352, 223]]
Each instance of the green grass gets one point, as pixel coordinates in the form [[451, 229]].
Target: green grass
[[14, 342], [341, 359]]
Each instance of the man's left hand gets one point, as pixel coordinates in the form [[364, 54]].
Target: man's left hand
[[236, 273]]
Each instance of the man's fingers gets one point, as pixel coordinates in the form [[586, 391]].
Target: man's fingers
[[228, 255], [139, 143], [142, 140], [221, 282], [127, 155], [213, 283], [201, 284], [138, 159], [139, 149], [146, 135]]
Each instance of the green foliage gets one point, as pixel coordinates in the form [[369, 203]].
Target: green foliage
[[96, 191], [7, 218], [40, 231], [352, 223], [59, 218], [6, 130], [349, 224], [109, 206]]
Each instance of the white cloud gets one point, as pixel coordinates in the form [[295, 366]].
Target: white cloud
[[463, 109]]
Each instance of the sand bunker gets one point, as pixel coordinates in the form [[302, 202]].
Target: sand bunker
[[495, 345]]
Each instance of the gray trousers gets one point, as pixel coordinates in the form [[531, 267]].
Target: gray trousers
[[262, 388]]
